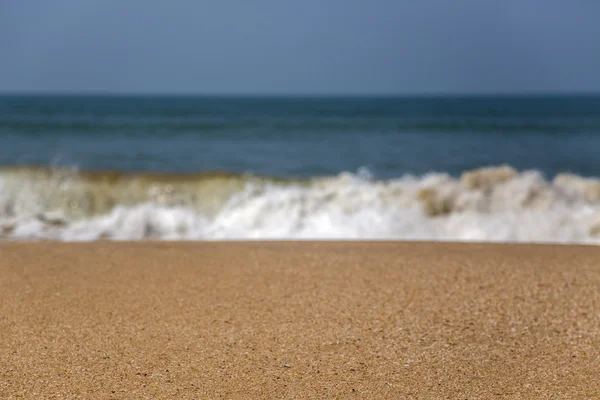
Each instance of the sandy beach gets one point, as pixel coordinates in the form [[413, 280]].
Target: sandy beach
[[298, 320]]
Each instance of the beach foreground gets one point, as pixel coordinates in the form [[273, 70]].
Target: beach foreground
[[298, 320]]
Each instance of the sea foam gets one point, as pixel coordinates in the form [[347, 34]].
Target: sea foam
[[488, 204]]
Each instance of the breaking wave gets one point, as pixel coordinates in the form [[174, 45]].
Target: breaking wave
[[488, 204]]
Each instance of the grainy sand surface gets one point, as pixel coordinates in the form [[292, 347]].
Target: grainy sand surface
[[301, 320]]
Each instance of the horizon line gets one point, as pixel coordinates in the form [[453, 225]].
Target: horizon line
[[99, 93]]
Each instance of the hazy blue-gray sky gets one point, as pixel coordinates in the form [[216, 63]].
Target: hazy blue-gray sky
[[308, 46]]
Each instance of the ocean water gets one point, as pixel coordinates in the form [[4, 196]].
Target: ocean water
[[523, 169]]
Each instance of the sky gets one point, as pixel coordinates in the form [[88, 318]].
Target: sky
[[341, 47]]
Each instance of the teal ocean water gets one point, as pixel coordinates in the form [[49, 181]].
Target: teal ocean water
[[302, 137], [208, 168]]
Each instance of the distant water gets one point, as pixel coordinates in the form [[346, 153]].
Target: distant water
[[477, 168]]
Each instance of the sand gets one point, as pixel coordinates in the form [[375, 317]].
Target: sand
[[297, 320]]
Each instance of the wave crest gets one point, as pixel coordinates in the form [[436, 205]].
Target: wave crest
[[488, 204]]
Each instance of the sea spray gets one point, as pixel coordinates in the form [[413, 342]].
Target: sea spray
[[488, 204]]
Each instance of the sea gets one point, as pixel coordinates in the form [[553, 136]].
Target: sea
[[478, 168]]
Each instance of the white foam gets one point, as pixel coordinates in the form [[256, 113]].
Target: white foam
[[515, 207]]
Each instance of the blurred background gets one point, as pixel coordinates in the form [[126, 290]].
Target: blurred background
[[469, 120]]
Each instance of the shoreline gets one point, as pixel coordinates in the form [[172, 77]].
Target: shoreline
[[299, 319]]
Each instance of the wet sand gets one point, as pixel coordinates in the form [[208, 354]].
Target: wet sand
[[298, 320]]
